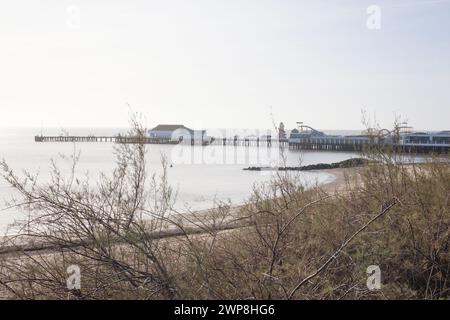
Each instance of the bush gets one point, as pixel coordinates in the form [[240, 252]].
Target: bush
[[287, 242]]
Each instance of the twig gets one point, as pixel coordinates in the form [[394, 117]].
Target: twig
[[388, 205]]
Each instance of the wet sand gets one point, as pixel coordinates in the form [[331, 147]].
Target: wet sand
[[339, 182]]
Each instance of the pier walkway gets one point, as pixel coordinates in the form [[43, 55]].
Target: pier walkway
[[234, 141], [114, 139]]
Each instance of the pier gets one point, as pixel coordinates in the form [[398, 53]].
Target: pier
[[302, 138], [358, 145], [401, 139], [111, 139], [349, 144], [247, 141], [233, 141]]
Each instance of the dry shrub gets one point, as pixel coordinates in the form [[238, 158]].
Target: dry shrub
[[293, 235], [287, 242]]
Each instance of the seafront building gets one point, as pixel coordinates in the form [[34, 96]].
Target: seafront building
[[306, 137], [175, 132]]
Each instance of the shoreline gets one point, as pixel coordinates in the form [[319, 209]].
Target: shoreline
[[195, 222], [339, 175], [336, 185]]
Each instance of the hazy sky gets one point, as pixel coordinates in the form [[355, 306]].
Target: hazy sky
[[227, 63]]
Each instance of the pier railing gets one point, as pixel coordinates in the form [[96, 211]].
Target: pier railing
[[114, 139]]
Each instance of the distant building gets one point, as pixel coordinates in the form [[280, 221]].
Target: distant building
[[281, 132], [306, 135], [420, 138], [175, 132]]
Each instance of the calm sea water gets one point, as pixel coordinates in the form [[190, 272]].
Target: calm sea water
[[200, 175]]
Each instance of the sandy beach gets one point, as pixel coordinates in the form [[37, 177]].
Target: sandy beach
[[196, 222], [339, 178]]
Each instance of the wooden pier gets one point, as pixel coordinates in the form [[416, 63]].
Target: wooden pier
[[313, 143], [248, 142], [233, 141], [111, 139]]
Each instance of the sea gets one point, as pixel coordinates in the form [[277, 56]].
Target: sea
[[201, 176]]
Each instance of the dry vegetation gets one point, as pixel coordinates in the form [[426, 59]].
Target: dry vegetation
[[291, 243]]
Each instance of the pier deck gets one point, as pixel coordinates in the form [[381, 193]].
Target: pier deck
[[114, 139]]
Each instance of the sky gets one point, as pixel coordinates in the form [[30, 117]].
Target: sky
[[224, 64]]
